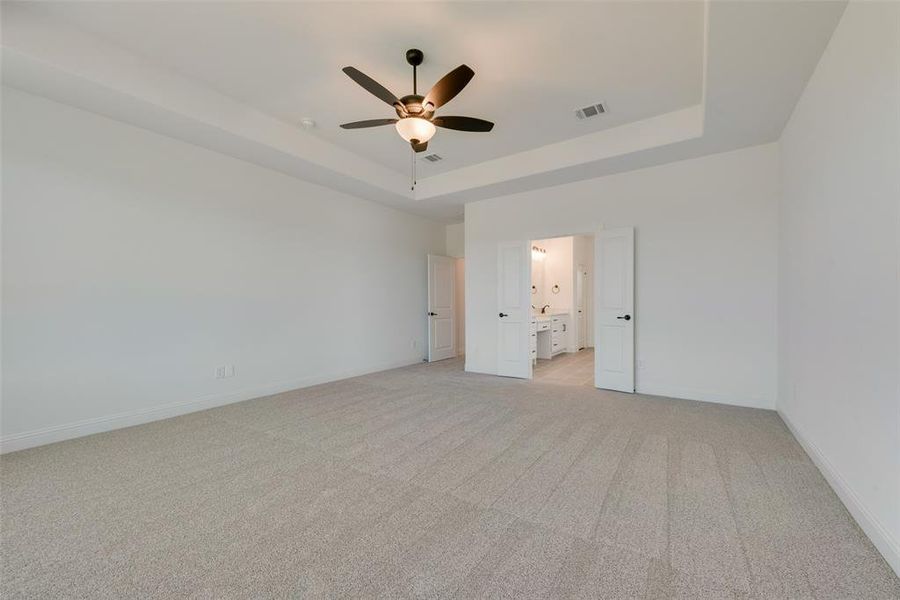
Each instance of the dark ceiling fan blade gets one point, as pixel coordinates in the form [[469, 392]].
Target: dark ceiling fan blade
[[449, 86], [419, 147], [372, 86], [463, 123], [369, 123]]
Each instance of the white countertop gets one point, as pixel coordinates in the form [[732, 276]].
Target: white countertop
[[553, 313]]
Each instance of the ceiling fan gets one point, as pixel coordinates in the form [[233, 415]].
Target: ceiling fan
[[415, 120]]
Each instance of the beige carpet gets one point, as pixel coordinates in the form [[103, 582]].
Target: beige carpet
[[427, 482]]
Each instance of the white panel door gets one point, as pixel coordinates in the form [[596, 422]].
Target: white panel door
[[441, 307], [580, 329], [513, 309], [614, 309]]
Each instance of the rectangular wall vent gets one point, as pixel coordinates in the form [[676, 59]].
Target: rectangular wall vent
[[593, 110], [432, 157]]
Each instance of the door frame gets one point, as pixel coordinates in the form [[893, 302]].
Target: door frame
[[432, 260], [593, 281], [580, 295]]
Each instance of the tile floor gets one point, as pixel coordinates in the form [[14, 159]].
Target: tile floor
[[567, 369]]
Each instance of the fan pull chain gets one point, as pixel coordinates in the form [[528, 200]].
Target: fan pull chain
[[412, 156]]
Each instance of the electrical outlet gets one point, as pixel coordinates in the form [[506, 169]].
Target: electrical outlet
[[224, 371]]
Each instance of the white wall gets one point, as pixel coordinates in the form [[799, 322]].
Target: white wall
[[538, 288], [839, 266], [456, 247], [583, 254], [555, 269], [134, 264], [460, 307], [456, 240], [706, 259]]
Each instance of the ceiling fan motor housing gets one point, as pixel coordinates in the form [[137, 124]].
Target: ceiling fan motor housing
[[414, 106]]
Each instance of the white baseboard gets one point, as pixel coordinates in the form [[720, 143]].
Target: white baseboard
[[67, 431], [704, 396], [682, 393], [878, 533]]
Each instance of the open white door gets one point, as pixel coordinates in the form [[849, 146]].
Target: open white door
[[441, 307], [614, 309], [513, 309], [580, 329]]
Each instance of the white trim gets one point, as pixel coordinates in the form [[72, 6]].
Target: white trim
[[871, 526], [702, 395], [67, 431]]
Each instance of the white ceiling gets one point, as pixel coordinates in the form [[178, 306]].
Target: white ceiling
[[680, 79], [535, 63]]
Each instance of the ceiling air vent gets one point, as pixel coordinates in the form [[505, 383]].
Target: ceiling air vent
[[432, 157], [591, 111]]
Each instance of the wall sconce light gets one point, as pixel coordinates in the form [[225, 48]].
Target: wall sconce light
[[538, 253]]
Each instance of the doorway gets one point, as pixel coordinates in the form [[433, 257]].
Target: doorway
[[541, 285], [560, 353], [446, 311], [441, 308]]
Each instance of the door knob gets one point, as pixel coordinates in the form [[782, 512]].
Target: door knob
[[432, 314], [626, 317], [504, 315]]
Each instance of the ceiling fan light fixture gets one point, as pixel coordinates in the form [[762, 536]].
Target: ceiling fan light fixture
[[415, 128]]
